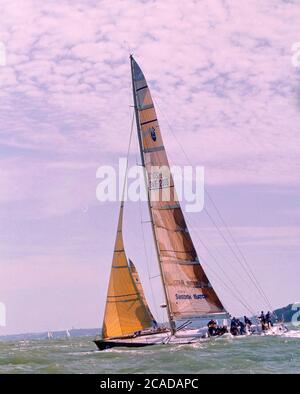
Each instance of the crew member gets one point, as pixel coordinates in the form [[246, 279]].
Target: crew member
[[248, 322], [263, 321], [212, 328], [241, 327], [234, 327], [269, 319]]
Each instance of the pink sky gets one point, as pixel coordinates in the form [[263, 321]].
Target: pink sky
[[221, 74]]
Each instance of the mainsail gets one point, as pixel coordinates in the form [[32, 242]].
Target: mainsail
[[125, 311], [187, 288]]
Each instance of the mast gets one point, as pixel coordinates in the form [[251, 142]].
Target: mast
[[171, 322]]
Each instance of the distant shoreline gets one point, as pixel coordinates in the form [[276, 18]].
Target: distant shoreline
[[75, 332]]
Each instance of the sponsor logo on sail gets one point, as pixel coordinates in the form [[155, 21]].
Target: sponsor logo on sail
[[180, 297], [153, 134]]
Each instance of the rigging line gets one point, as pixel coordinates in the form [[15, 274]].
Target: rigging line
[[193, 226], [224, 273], [238, 248], [230, 290], [225, 285], [226, 288], [233, 251], [224, 258], [258, 288], [127, 159], [255, 282]]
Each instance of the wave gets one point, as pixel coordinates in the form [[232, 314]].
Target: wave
[[292, 334]]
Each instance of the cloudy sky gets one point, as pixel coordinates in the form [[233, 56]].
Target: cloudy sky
[[227, 91]]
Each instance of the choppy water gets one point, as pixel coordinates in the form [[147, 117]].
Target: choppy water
[[79, 355]]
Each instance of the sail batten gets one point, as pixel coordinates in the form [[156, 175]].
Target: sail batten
[[187, 288]]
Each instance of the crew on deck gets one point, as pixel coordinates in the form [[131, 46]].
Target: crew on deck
[[238, 327], [215, 330], [269, 319], [263, 321], [266, 321], [212, 328], [154, 324], [241, 327], [234, 329], [248, 322]]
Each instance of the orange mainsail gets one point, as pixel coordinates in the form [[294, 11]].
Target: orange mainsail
[[187, 288], [125, 311]]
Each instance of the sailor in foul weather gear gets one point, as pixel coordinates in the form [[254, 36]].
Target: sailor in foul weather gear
[[247, 321], [154, 324], [262, 317], [241, 326], [263, 321], [234, 329], [269, 319], [212, 328]]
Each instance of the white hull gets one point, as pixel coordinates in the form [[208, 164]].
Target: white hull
[[184, 337]]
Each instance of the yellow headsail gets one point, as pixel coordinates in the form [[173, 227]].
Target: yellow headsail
[[125, 311]]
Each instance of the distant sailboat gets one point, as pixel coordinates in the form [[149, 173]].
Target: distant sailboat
[[68, 335], [50, 335], [128, 320]]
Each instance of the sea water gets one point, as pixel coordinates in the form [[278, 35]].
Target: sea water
[[251, 355]]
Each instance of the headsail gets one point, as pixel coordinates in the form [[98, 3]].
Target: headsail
[[139, 287], [125, 311], [188, 290]]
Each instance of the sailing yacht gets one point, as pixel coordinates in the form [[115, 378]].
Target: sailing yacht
[[49, 335], [188, 293], [128, 320]]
